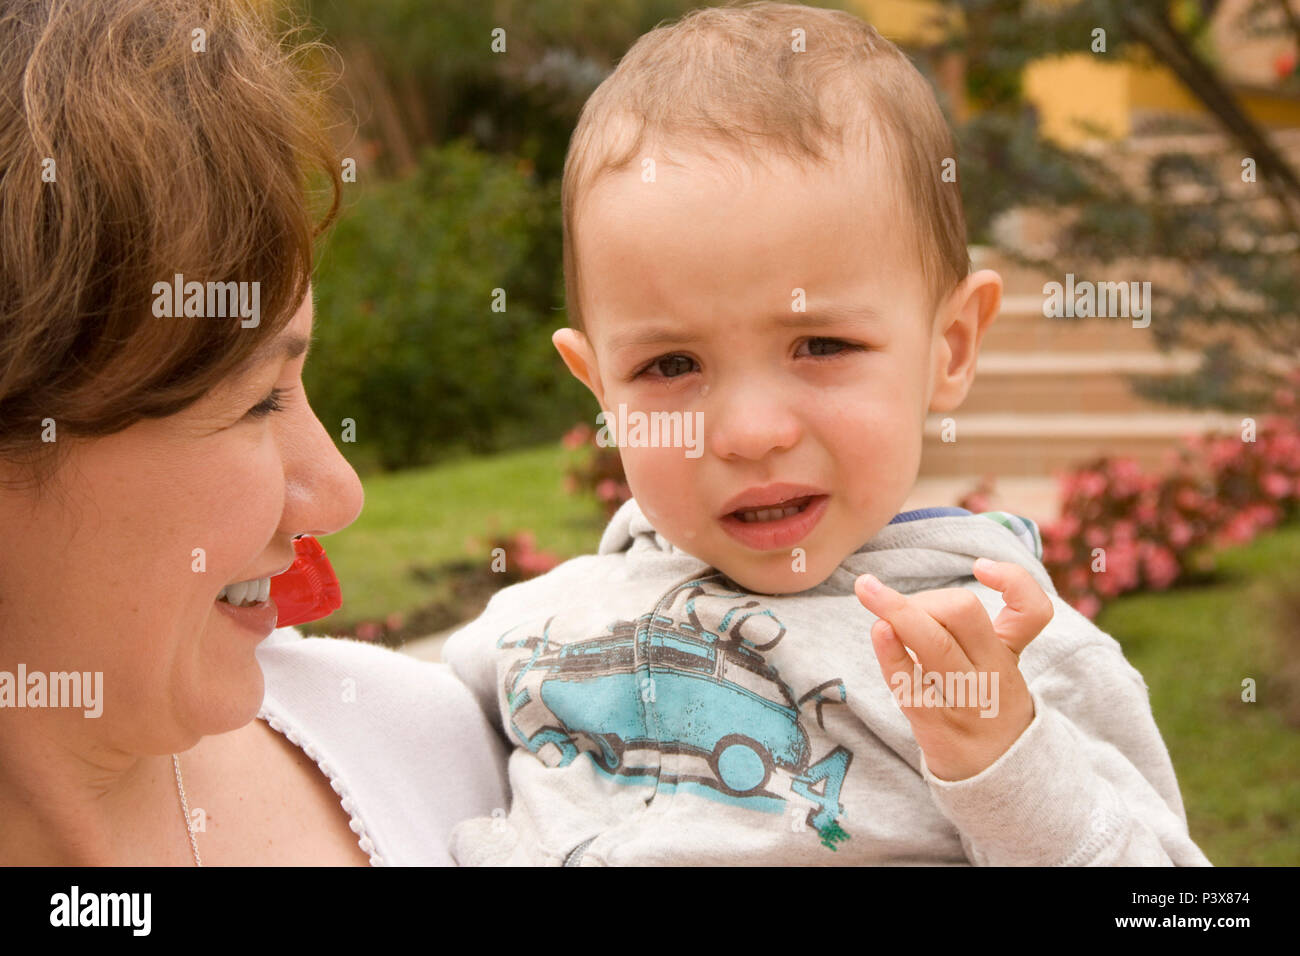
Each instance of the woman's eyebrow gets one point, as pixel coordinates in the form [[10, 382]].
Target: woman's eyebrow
[[292, 346], [284, 348]]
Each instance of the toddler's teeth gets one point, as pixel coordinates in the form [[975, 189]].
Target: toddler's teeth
[[768, 514]]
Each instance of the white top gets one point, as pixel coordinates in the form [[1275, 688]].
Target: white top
[[402, 742]]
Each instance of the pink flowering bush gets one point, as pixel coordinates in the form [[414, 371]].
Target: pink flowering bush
[[519, 557], [1257, 483], [980, 498], [594, 469], [1121, 530]]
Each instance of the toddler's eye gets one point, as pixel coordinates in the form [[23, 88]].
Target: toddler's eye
[[670, 366], [825, 347]]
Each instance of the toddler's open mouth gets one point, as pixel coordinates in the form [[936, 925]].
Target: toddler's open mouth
[[782, 510], [775, 517]]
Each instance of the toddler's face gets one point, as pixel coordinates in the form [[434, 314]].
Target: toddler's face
[[783, 310]]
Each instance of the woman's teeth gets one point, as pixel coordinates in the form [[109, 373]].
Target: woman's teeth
[[245, 593], [772, 514]]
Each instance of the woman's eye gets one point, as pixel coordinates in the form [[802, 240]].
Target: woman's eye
[[670, 366], [272, 403], [827, 347]]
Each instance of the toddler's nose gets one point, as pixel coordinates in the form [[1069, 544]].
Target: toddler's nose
[[749, 424]]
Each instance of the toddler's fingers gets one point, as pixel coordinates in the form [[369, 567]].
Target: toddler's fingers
[[962, 615], [935, 648], [1028, 608], [892, 656]]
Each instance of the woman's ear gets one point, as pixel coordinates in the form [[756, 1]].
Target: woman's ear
[[964, 318], [575, 348]]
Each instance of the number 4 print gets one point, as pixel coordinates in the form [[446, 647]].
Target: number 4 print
[[829, 772]]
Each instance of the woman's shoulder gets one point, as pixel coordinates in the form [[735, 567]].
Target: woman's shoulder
[[402, 741]]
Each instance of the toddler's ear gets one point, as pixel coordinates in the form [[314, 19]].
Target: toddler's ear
[[964, 318], [576, 350]]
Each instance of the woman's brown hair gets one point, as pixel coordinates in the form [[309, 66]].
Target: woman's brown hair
[[140, 139]]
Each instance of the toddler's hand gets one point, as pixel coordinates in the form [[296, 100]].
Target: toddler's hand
[[951, 635]]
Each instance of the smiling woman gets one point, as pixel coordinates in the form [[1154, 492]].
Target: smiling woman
[[154, 467]]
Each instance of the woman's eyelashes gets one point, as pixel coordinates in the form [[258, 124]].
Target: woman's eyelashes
[[272, 403]]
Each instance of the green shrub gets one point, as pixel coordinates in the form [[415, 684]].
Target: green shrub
[[407, 342]]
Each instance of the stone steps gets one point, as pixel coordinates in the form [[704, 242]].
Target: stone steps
[[1021, 325], [1028, 444], [1050, 394], [1080, 382]]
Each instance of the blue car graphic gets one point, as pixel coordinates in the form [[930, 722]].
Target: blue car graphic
[[667, 683]]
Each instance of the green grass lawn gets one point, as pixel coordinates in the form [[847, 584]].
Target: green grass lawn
[[1238, 764], [413, 521]]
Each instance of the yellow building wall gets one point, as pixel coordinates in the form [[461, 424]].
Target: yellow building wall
[[1084, 86], [1274, 111], [906, 22], [1078, 87]]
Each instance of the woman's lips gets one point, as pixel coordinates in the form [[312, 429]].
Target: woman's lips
[[779, 532], [258, 618]]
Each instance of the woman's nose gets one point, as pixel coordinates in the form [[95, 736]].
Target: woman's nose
[[322, 491]]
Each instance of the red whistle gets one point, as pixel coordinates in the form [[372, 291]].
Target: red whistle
[[308, 591]]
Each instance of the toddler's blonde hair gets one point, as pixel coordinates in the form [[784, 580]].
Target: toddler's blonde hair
[[731, 76]]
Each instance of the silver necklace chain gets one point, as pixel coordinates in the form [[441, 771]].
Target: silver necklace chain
[[185, 810]]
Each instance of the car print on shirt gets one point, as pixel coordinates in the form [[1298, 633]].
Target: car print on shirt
[[670, 702]]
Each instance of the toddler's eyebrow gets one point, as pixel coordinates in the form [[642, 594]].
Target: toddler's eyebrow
[[820, 317], [829, 314], [651, 335]]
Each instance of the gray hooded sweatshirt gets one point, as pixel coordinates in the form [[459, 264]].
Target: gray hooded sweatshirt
[[659, 714]]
